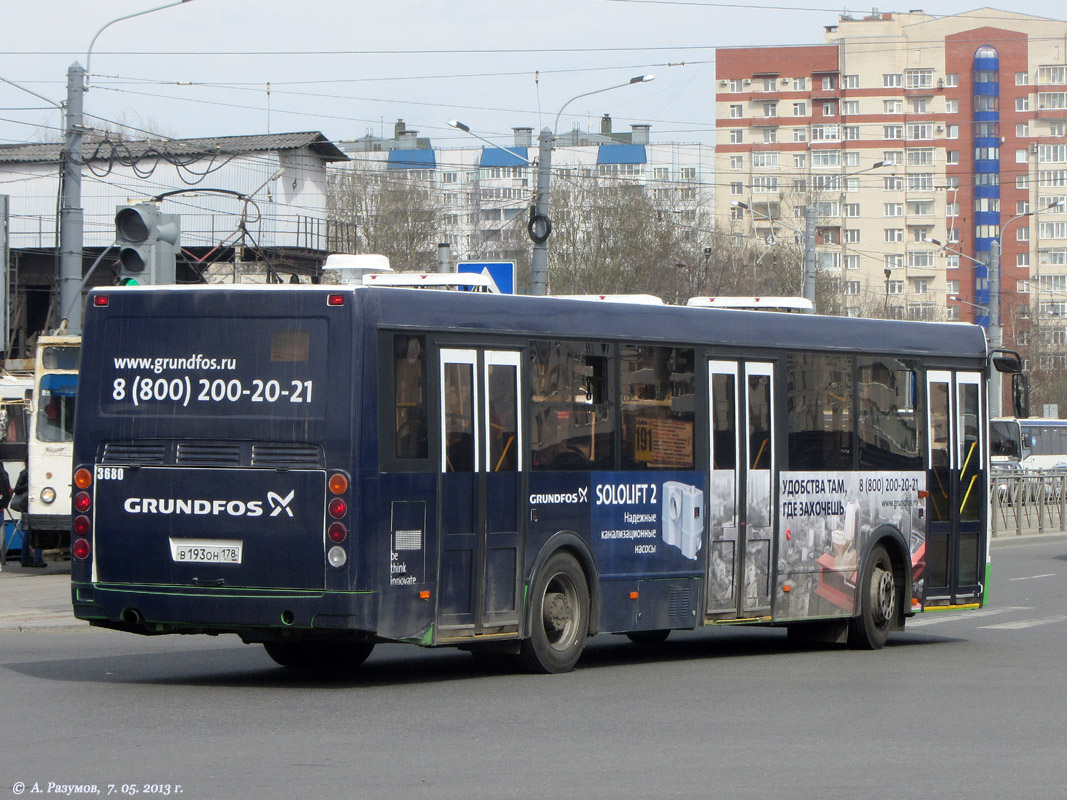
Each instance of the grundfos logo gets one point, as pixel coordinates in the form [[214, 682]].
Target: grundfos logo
[[232, 508], [581, 496]]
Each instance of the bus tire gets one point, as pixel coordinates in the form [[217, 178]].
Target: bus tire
[[879, 595], [323, 656], [560, 617], [648, 637]]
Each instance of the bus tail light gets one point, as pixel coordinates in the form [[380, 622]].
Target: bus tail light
[[82, 502], [337, 532], [80, 548], [83, 478]]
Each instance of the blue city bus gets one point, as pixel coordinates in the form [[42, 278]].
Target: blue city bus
[[319, 469]]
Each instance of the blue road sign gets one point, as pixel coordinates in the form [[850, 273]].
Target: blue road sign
[[502, 272]]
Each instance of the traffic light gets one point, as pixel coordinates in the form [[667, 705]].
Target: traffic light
[[148, 244]]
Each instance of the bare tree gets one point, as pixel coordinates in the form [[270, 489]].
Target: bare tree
[[396, 214]]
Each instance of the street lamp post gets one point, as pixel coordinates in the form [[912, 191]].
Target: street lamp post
[[810, 261], [540, 227], [71, 215], [995, 330]]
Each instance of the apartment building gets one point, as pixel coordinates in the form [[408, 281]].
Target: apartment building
[[923, 142], [485, 191]]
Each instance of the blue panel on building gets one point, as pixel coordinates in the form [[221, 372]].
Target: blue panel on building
[[412, 159], [504, 157], [621, 154]]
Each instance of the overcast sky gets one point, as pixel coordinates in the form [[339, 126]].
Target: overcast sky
[[348, 68]]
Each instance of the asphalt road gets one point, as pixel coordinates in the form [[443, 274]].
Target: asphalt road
[[962, 705]]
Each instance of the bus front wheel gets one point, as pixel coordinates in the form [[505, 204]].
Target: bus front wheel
[[878, 603], [324, 656], [560, 618]]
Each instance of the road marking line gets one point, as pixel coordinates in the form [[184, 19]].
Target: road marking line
[[1028, 623], [932, 618], [1034, 577]]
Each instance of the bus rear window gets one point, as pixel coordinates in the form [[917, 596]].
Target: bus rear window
[[289, 346]]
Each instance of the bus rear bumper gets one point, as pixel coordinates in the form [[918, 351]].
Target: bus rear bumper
[[254, 614]]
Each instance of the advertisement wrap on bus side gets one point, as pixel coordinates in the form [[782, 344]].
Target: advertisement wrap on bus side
[[639, 523], [826, 520]]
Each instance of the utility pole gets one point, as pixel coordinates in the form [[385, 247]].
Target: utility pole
[[71, 215], [996, 333], [540, 227], [809, 254]]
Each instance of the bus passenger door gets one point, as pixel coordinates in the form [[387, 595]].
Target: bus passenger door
[[742, 460], [481, 462], [955, 548]]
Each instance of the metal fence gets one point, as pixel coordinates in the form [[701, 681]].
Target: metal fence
[[1029, 502]]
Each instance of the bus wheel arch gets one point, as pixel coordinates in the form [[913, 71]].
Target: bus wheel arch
[[559, 612], [883, 590]]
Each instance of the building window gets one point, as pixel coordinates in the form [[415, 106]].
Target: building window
[[800, 134], [770, 109], [825, 133], [853, 287], [852, 235], [737, 111], [895, 287], [920, 157], [850, 107], [894, 261], [952, 287], [893, 209], [736, 188], [921, 182], [952, 79], [829, 109], [1022, 130], [770, 135], [829, 82], [852, 133], [920, 258], [1022, 260], [919, 105], [1047, 75], [765, 159], [1022, 78], [952, 106], [850, 81], [737, 86], [1022, 103], [953, 156], [737, 162], [826, 158], [852, 210], [920, 285], [852, 262], [800, 109], [800, 84], [892, 131], [919, 78], [894, 234], [892, 106], [892, 80], [920, 130], [737, 136]]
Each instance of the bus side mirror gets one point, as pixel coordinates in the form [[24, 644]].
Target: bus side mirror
[[1006, 361], [1020, 395]]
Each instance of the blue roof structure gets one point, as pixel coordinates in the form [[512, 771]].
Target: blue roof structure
[[504, 157], [621, 154], [412, 159]]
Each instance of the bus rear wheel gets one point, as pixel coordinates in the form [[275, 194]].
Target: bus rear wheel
[[560, 618], [878, 603], [323, 656]]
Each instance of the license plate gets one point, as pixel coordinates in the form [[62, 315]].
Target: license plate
[[206, 551]]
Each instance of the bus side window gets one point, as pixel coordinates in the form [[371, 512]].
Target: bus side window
[[409, 397]]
